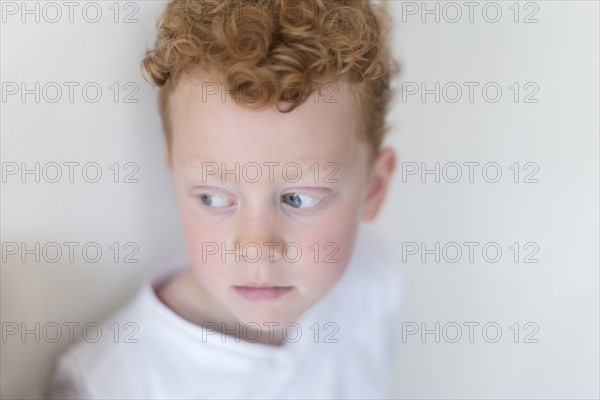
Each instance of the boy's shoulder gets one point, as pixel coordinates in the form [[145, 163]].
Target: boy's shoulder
[[135, 348], [108, 352]]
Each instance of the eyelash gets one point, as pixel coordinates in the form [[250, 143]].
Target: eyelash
[[318, 197]]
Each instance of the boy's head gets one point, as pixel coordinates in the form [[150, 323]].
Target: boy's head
[[274, 114]]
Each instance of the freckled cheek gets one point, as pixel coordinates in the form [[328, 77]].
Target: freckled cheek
[[335, 242], [333, 238], [203, 243], [195, 230], [213, 275]]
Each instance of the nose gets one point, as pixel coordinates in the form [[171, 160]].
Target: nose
[[258, 235]]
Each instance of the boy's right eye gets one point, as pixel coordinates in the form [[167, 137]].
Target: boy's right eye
[[215, 200]]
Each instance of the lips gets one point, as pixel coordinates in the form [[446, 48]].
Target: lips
[[257, 292]]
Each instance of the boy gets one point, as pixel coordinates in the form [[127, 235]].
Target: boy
[[273, 112]]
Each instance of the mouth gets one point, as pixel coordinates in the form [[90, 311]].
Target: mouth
[[262, 292]]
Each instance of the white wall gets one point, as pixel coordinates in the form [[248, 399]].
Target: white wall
[[558, 55]]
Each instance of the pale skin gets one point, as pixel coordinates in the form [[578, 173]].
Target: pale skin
[[253, 211]]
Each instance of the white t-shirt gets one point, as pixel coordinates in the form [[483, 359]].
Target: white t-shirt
[[341, 347]]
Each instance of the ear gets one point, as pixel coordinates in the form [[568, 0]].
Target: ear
[[378, 183]]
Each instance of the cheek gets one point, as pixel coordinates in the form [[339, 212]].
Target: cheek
[[327, 251], [202, 241], [194, 229]]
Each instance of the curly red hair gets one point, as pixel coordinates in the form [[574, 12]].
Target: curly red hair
[[293, 47]]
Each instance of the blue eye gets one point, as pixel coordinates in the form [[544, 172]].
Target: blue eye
[[299, 200], [216, 201]]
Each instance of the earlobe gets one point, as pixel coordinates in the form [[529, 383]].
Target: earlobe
[[381, 174]]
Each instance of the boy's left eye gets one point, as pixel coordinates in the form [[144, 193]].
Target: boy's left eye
[[301, 200]]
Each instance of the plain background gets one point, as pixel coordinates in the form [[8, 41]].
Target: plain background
[[557, 57]]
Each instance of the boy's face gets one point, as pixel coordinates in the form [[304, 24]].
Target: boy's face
[[284, 191]]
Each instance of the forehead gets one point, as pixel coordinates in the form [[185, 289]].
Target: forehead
[[209, 125]]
